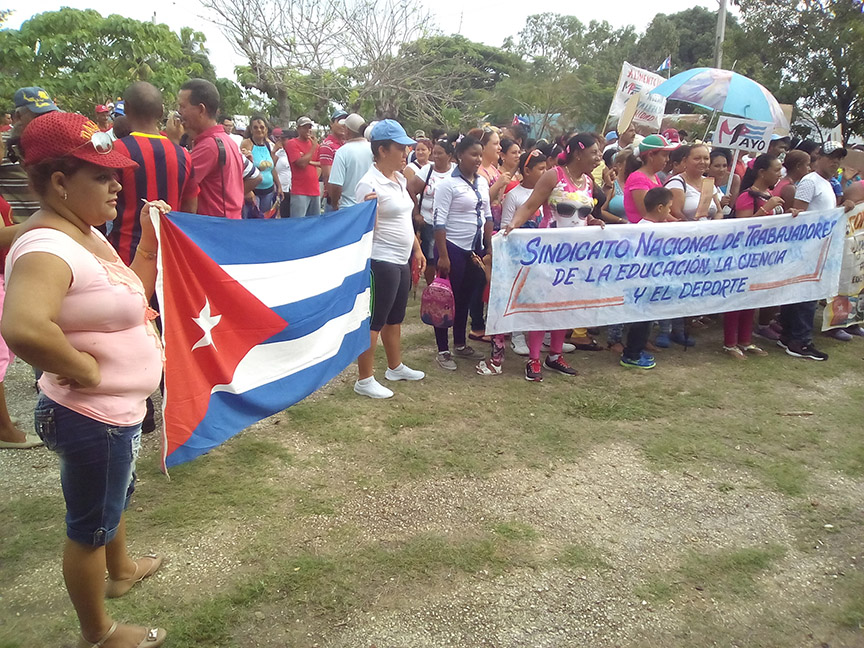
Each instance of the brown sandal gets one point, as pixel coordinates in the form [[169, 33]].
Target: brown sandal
[[117, 588], [155, 637]]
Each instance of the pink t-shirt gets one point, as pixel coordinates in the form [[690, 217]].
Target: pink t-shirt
[[637, 181], [747, 200], [104, 313]]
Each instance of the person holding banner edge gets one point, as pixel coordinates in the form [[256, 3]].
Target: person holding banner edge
[[814, 192], [569, 198]]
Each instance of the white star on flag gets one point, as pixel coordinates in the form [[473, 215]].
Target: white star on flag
[[207, 322]]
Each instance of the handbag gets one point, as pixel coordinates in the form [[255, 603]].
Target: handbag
[[437, 305]]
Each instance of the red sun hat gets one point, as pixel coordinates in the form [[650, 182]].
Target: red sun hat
[[61, 134]]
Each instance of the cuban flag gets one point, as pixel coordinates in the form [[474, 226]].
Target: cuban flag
[[665, 65], [256, 315]]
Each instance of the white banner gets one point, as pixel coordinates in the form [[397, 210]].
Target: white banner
[[547, 279], [743, 134], [847, 307], [635, 80]]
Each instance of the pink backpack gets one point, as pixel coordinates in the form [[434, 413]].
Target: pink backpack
[[437, 305]]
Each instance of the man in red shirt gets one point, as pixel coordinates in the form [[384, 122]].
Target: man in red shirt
[[305, 193], [216, 161], [336, 138]]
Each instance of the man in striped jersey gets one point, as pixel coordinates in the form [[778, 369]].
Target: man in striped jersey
[[164, 169]]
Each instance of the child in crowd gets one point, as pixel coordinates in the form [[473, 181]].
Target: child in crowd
[[658, 209], [658, 205]]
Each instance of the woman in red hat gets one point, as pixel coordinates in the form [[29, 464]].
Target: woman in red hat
[[91, 332]]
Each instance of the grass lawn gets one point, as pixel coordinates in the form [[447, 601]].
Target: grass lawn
[[708, 502]]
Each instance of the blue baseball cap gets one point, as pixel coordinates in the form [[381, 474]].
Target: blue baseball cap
[[35, 99], [338, 114], [611, 135], [389, 129]]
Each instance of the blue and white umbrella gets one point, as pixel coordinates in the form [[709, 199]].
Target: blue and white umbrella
[[726, 92]]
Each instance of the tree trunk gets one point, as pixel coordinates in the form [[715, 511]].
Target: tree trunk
[[283, 106]]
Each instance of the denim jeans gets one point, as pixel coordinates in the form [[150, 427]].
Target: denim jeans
[[797, 321], [305, 206], [97, 469]]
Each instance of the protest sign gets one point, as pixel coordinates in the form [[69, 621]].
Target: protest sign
[[551, 279], [847, 307], [650, 108], [742, 134]]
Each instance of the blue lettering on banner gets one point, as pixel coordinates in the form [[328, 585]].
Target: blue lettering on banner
[[581, 277]]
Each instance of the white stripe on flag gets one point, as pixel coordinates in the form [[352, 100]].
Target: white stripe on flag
[[304, 278], [266, 363]]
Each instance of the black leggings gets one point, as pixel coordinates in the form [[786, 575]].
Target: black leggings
[[391, 283]]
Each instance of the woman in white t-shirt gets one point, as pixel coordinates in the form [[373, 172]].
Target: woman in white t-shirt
[[422, 185], [283, 170], [686, 187], [421, 158], [393, 245]]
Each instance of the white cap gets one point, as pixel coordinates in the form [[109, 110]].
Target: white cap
[[354, 123], [368, 133]]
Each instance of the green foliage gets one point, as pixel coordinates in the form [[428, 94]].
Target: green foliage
[[815, 48], [82, 58], [571, 72], [452, 77]]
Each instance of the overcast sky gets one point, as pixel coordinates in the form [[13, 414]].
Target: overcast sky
[[473, 20]]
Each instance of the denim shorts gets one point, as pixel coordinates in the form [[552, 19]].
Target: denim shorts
[[427, 242], [97, 469]]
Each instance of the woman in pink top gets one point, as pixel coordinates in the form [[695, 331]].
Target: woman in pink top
[[91, 331], [569, 198], [755, 199], [642, 170]]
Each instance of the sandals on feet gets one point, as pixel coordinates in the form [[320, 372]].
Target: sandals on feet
[[155, 637], [117, 588]]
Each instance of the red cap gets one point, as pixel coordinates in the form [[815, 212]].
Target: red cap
[[102, 109], [672, 135], [58, 134]]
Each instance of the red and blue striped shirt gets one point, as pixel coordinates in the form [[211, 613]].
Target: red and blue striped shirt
[[164, 172]]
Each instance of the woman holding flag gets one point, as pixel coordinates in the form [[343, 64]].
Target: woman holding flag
[[92, 333], [393, 246]]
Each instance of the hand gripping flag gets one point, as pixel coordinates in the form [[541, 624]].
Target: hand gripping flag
[[256, 315]]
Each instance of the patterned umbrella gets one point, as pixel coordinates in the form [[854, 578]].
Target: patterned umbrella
[[726, 92]]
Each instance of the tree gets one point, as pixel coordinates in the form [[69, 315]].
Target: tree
[[817, 48], [571, 71], [83, 59], [452, 78], [326, 50]]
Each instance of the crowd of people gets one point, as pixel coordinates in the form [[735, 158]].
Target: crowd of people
[[76, 234]]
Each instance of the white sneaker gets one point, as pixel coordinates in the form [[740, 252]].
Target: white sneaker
[[371, 388], [404, 373], [518, 344]]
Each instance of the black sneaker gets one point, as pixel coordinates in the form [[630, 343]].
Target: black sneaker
[[533, 371], [560, 365], [798, 350]]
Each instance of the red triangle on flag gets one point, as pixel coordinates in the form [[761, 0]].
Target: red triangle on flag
[[210, 323]]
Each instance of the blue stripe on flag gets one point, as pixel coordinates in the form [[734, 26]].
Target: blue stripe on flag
[[306, 316], [229, 414], [274, 240]]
